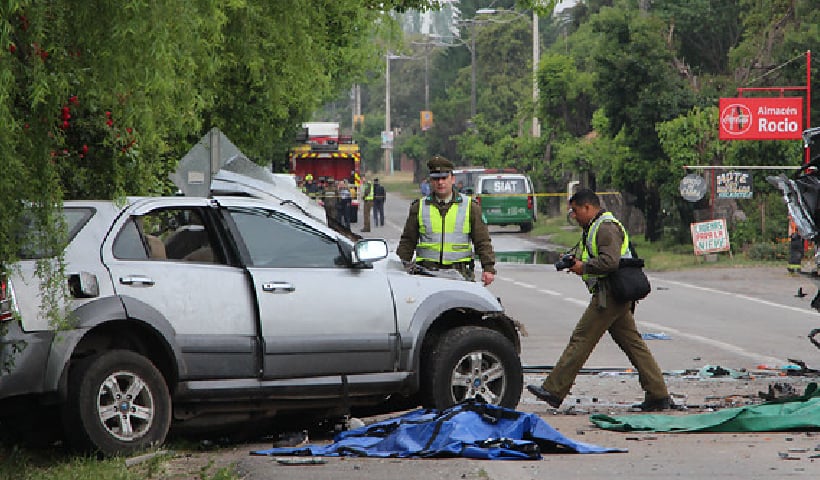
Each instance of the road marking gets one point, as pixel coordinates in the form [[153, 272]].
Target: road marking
[[757, 357], [738, 295], [583, 303], [529, 285]]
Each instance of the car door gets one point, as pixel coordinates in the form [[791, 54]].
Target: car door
[[319, 316], [169, 265]]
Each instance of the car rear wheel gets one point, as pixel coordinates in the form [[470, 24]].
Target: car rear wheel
[[473, 362], [118, 403], [526, 227]]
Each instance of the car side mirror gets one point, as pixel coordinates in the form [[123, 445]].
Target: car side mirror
[[369, 250]]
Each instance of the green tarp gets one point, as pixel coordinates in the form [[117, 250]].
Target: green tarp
[[795, 413]]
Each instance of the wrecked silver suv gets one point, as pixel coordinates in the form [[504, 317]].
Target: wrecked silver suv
[[198, 312]]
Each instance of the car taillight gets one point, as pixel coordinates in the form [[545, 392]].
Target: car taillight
[[5, 300], [529, 202]]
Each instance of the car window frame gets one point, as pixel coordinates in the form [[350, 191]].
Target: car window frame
[[344, 252]]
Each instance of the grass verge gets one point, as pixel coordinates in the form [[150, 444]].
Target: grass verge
[[55, 464], [659, 256]]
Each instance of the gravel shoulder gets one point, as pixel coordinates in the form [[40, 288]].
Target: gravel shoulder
[[649, 455]]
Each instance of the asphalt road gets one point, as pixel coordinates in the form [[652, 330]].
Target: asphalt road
[[736, 318]]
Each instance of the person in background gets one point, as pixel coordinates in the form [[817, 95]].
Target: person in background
[[796, 252], [440, 227], [379, 197], [329, 199], [604, 242], [367, 196], [343, 204], [425, 188]]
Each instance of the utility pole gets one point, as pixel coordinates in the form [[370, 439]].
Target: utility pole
[[356, 107], [472, 72], [388, 151], [426, 81], [536, 54]]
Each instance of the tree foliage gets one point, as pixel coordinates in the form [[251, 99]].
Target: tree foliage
[[618, 81], [101, 99]]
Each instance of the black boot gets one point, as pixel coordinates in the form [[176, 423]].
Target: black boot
[[655, 405]]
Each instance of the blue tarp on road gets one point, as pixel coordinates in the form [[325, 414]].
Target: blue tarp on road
[[469, 429]]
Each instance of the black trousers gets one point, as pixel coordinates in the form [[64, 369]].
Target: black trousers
[[378, 213]]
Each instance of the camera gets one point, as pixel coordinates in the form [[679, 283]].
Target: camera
[[567, 260]]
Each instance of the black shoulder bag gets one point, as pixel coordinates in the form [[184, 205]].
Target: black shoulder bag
[[628, 283]]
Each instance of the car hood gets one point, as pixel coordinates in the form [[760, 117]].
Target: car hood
[[410, 289]]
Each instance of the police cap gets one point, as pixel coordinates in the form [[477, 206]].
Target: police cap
[[439, 167]]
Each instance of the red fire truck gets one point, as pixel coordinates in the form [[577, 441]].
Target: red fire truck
[[324, 154]]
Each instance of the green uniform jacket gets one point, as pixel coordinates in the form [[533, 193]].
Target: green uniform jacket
[[479, 234]]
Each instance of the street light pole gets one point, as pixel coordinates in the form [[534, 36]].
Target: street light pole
[[388, 149]]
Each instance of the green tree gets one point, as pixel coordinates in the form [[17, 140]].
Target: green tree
[[101, 99], [565, 95], [638, 87], [689, 140], [503, 90], [773, 51], [701, 31]]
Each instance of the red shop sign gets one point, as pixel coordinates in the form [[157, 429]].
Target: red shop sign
[[778, 118]]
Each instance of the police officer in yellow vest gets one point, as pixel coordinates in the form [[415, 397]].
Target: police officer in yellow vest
[[368, 196], [603, 243], [441, 226]]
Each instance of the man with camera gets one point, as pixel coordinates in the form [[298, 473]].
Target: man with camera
[[603, 243]]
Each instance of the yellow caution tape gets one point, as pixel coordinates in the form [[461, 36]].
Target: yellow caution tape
[[545, 194]]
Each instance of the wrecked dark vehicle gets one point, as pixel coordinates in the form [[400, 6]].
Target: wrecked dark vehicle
[[802, 197]]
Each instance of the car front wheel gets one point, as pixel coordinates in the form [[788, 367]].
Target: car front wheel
[[118, 403], [474, 362]]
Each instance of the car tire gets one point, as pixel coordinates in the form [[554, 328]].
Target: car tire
[[118, 403], [470, 362], [526, 227]]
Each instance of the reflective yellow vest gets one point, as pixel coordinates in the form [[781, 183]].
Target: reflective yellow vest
[[369, 189], [590, 248], [444, 240]]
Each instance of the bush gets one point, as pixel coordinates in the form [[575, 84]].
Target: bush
[[744, 234], [767, 251]]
